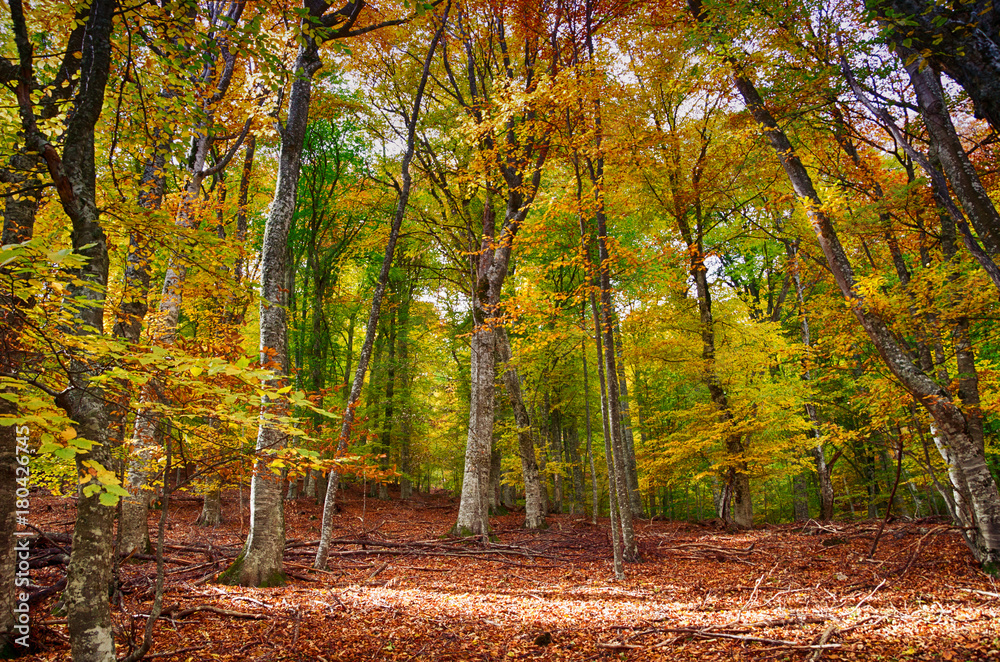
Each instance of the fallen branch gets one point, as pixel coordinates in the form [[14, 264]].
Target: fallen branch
[[830, 630], [173, 612]]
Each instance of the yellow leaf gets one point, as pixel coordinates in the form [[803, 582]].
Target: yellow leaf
[[68, 433], [196, 370]]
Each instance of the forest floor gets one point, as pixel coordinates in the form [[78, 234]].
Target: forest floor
[[398, 588]]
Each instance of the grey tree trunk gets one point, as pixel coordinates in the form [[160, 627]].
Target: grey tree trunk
[[635, 498], [473, 510], [572, 443], [211, 509], [495, 466], [961, 173], [534, 504], [406, 404], [329, 503], [260, 563], [595, 504], [819, 456], [554, 449]]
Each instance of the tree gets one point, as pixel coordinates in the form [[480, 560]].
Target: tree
[[403, 193], [952, 424]]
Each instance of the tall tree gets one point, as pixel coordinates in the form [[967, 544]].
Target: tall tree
[[510, 30], [260, 563], [403, 189], [952, 424]]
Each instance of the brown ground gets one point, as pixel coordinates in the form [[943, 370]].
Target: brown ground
[[699, 594]]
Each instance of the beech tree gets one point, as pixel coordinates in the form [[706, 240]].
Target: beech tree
[[966, 455]]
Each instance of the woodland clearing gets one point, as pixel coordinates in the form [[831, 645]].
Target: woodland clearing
[[398, 588]]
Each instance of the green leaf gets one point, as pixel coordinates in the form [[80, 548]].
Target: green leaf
[[108, 499], [65, 453]]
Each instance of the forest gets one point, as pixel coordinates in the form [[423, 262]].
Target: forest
[[497, 329]]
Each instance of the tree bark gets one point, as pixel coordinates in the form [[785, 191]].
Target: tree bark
[[260, 563], [211, 508], [960, 39], [595, 498], [634, 497], [961, 173], [534, 504]]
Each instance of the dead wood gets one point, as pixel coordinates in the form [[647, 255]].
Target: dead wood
[[175, 613], [830, 630]]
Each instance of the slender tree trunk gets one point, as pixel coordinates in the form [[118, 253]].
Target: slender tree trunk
[[260, 563], [387, 419], [595, 499], [473, 508], [554, 435], [572, 439], [635, 498], [326, 527], [406, 404], [534, 504]]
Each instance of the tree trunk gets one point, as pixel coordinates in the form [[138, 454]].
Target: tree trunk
[[387, 419], [822, 469], [211, 509], [534, 504], [595, 498], [800, 498], [629, 549], [260, 563], [473, 508], [956, 164], [554, 434], [406, 403], [329, 503], [960, 39], [635, 498]]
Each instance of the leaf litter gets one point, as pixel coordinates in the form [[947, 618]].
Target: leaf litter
[[397, 587]]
